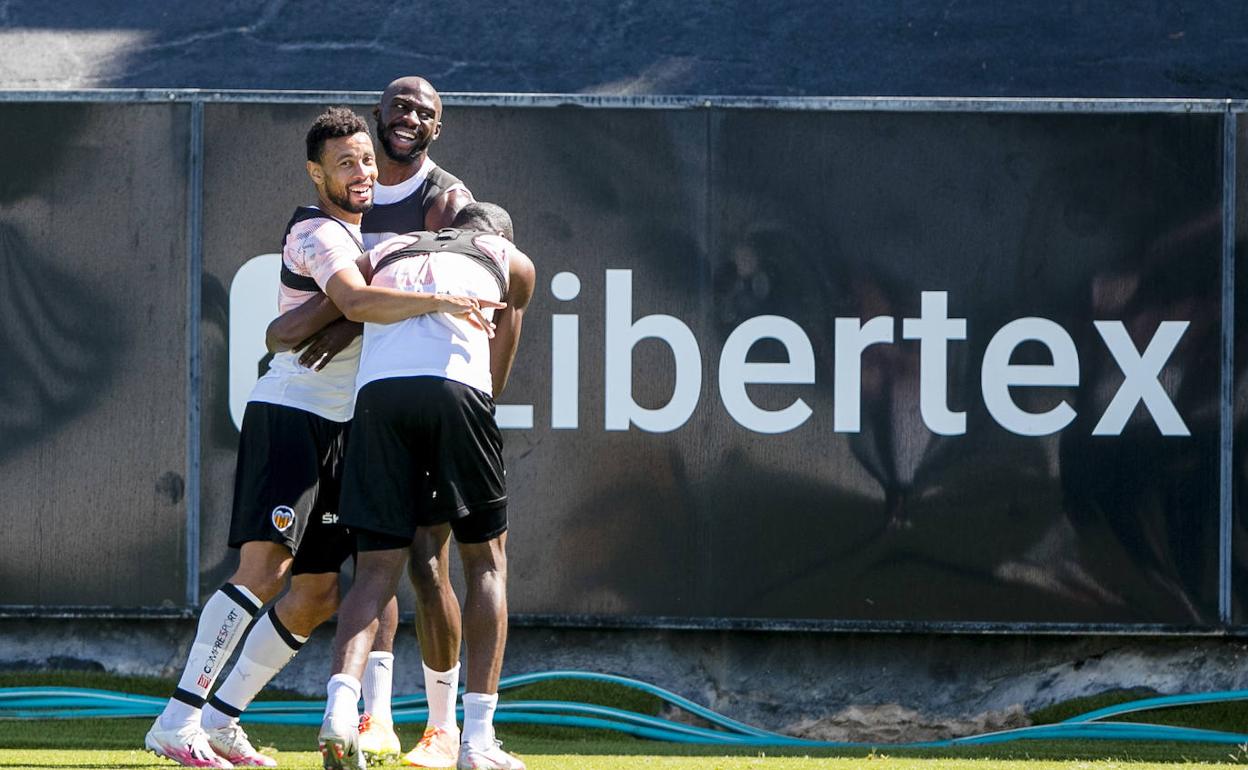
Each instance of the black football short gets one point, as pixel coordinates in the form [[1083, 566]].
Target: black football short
[[423, 451], [287, 484]]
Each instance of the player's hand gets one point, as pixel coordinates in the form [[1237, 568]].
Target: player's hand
[[320, 348], [470, 308]]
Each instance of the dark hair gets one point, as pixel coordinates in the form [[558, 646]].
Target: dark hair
[[333, 123], [489, 217]]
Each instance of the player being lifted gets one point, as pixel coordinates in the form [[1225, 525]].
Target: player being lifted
[[425, 462]]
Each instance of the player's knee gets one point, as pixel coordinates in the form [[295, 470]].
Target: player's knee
[[484, 561], [427, 563], [262, 569], [428, 575], [311, 601], [265, 585]]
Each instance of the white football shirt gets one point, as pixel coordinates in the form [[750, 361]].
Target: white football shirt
[[435, 344], [316, 248]]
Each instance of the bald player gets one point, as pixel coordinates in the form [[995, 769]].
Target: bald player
[[413, 193]]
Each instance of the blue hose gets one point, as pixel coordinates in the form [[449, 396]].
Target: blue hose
[[80, 703]]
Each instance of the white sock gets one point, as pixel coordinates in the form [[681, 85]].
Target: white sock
[[479, 719], [441, 687], [268, 648], [226, 614], [378, 685], [343, 705]]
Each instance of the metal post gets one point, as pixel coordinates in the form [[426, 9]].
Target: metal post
[[194, 278], [1227, 390]]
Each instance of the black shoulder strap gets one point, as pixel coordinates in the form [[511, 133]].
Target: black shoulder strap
[[438, 182], [449, 240], [290, 278]]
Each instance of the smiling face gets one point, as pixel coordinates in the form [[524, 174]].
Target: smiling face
[[409, 119], [344, 175]]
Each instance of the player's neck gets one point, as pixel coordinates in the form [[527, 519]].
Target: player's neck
[[391, 172], [338, 212]]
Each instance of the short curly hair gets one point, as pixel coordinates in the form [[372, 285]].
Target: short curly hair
[[333, 123], [488, 217]]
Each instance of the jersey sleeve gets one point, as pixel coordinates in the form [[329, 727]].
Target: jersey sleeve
[[498, 249], [391, 244], [327, 250]]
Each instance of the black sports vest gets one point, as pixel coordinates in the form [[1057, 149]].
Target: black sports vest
[[454, 241], [290, 278], [408, 215]]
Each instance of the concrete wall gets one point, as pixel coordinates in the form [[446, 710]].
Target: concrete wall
[[861, 687]]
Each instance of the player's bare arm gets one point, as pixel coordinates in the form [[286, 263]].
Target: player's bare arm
[[378, 304], [317, 327], [290, 329], [321, 347], [443, 209], [522, 279]]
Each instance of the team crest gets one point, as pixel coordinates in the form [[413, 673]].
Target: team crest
[[283, 517]]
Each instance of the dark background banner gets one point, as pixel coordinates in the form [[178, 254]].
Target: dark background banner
[[93, 418], [656, 482], [718, 217]]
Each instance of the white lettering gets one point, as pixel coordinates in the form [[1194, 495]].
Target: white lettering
[[1141, 383], [565, 356], [933, 329], [853, 337], [256, 282], [622, 334], [735, 372], [999, 375], [252, 308], [513, 416]]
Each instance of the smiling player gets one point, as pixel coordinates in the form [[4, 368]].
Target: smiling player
[[289, 470]]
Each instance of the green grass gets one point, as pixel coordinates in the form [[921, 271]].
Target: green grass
[[307, 760], [586, 691], [1060, 712], [1226, 717], [113, 743]]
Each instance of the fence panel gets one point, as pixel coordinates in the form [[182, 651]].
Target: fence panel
[[787, 365], [93, 350]]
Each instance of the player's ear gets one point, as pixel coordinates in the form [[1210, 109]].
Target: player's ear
[[437, 130], [316, 172]]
